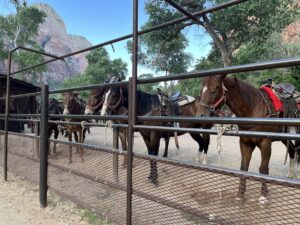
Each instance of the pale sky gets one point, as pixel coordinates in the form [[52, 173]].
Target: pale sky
[[100, 21]]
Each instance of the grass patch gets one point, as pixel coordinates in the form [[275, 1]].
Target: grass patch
[[93, 218]]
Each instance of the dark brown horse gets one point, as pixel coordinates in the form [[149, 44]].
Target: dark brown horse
[[147, 104], [54, 107], [72, 105], [244, 100], [94, 105], [190, 109]]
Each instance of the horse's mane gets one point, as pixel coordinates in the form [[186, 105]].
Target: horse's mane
[[145, 102], [249, 93]]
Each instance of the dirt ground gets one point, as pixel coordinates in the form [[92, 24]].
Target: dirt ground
[[19, 202], [19, 205]]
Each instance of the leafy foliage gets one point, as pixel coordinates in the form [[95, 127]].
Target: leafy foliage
[[20, 29], [99, 69]]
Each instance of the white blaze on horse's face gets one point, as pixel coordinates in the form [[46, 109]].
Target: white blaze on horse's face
[[204, 89], [66, 111], [104, 107], [88, 111]]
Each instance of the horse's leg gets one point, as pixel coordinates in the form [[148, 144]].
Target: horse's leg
[[49, 136], [167, 140], [56, 132], [246, 152], [291, 150], [80, 142], [265, 148], [70, 146], [154, 148], [201, 156], [297, 146], [123, 138], [76, 139]]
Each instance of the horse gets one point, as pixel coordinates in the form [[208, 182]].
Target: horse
[[244, 100], [72, 105], [188, 110], [94, 105], [147, 104], [54, 107]]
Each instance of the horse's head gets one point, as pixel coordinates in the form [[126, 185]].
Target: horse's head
[[95, 101], [212, 95], [112, 98], [54, 107], [69, 102]]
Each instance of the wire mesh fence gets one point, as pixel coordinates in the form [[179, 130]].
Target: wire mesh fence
[[184, 193]]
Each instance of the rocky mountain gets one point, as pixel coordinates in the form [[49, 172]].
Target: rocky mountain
[[54, 39]]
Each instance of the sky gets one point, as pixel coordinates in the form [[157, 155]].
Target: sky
[[103, 20]]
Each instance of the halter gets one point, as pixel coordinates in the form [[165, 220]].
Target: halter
[[121, 99], [219, 102]]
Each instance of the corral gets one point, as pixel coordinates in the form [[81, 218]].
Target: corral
[[187, 193]]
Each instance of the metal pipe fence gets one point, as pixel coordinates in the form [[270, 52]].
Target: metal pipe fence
[[103, 165]]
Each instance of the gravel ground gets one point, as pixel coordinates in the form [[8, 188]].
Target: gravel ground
[[19, 205]]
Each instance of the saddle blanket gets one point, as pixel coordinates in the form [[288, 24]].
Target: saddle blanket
[[185, 100], [277, 103]]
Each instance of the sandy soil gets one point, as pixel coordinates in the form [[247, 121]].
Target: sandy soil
[[19, 205]]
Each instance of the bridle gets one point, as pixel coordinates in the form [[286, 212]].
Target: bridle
[[121, 100], [94, 108], [222, 100]]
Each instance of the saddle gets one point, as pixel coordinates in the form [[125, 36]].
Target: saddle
[[284, 90], [176, 97]]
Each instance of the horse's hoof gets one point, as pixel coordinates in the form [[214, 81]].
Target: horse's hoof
[[153, 180], [70, 162], [82, 160], [263, 200]]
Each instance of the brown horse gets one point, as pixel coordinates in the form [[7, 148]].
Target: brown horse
[[72, 105], [188, 110], [244, 100]]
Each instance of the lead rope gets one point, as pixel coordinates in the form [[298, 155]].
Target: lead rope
[[220, 132]]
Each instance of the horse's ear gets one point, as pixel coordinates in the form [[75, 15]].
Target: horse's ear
[[158, 90], [75, 93], [221, 77]]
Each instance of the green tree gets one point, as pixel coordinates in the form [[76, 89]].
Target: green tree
[[149, 88], [99, 69], [20, 29], [162, 50], [231, 28]]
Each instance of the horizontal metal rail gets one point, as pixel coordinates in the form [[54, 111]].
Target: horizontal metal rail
[[89, 87], [169, 23], [258, 134], [89, 117], [20, 134], [22, 95], [119, 125], [224, 120], [226, 70], [21, 115], [90, 147]]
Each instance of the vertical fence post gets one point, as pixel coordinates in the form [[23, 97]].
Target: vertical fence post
[[132, 110], [44, 146], [115, 155], [7, 104]]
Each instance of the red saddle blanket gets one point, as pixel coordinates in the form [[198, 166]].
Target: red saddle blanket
[[277, 103]]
